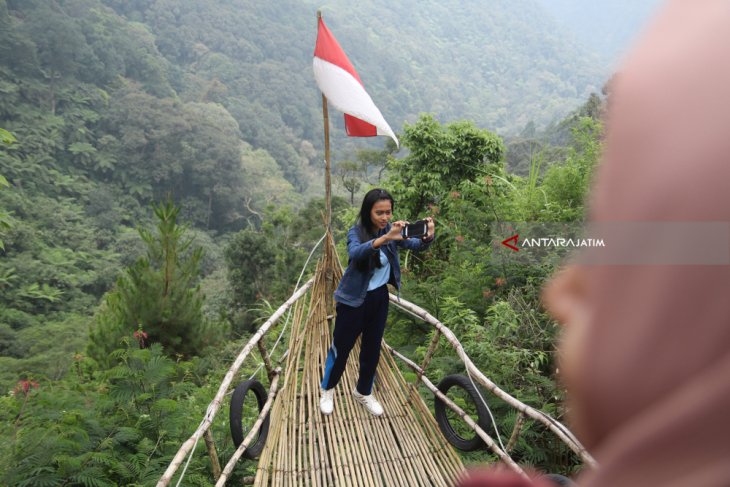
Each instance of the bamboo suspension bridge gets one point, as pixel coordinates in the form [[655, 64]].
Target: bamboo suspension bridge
[[403, 447]]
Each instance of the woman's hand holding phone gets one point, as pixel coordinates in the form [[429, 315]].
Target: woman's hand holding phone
[[423, 229], [396, 230]]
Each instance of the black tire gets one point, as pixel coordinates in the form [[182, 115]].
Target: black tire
[[559, 480], [236, 412], [464, 444]]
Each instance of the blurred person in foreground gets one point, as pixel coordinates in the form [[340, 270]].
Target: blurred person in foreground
[[645, 354]]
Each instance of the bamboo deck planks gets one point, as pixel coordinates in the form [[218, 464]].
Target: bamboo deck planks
[[350, 447]]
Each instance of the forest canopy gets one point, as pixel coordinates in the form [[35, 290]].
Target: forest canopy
[[161, 190]]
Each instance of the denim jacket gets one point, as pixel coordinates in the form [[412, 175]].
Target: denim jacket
[[354, 283]]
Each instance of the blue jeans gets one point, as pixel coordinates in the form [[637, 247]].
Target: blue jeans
[[367, 319]]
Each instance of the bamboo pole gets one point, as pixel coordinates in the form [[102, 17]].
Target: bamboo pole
[[433, 449], [382, 448], [328, 269], [554, 425], [215, 404], [297, 391], [348, 407], [212, 453], [266, 358], [268, 456], [284, 426], [407, 435], [322, 471], [290, 430], [321, 474], [429, 354], [271, 443], [327, 180], [342, 440], [451, 464], [252, 433], [462, 414], [515, 432]]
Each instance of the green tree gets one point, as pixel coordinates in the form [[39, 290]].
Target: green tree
[[60, 45], [262, 265], [351, 176], [566, 184], [375, 162], [190, 150], [441, 157], [211, 154], [158, 296], [250, 256], [6, 137], [5, 220]]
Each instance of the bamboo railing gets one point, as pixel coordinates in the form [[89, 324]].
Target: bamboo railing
[[404, 447], [555, 426], [215, 404]]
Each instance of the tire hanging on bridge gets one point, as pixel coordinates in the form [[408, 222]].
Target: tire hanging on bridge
[[236, 415]]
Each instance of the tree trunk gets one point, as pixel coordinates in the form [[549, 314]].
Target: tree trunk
[[53, 93], [210, 209]]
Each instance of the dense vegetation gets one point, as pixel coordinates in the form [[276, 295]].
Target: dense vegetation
[[158, 181], [119, 417]]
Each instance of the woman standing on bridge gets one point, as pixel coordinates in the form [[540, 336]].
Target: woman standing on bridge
[[362, 296]]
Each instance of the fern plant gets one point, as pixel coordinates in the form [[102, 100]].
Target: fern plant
[[120, 428]]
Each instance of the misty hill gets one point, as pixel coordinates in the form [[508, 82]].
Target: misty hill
[[608, 27], [501, 63]]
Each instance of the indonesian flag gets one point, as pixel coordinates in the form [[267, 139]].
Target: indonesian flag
[[340, 83]]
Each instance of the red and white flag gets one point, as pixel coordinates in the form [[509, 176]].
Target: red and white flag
[[340, 83]]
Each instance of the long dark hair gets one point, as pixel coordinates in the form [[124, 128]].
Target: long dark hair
[[367, 229]]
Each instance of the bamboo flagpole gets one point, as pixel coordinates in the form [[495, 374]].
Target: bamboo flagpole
[[327, 163], [327, 167], [329, 276]]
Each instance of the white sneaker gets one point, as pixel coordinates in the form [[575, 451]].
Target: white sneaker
[[327, 401], [370, 403]]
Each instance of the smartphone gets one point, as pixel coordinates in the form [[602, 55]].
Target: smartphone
[[417, 229]]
